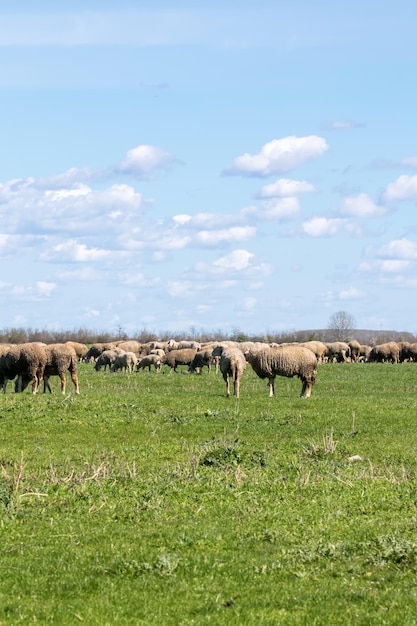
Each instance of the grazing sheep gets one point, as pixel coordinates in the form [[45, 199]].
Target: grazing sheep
[[125, 362], [178, 357], [232, 365], [106, 359], [80, 349], [408, 352], [148, 361], [355, 350], [385, 352], [60, 359], [130, 346], [27, 359], [317, 347], [202, 358], [337, 351], [96, 349], [285, 361]]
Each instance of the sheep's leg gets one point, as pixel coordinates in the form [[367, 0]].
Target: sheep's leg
[[272, 386], [226, 380], [63, 379], [74, 379], [236, 388], [46, 385]]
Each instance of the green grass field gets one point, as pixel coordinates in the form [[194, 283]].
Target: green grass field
[[154, 499]]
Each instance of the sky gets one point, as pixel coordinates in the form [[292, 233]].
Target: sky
[[175, 166]]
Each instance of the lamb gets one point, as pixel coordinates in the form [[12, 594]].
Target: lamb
[[60, 359], [106, 359], [286, 361], [23, 359], [178, 357], [232, 365], [148, 361], [382, 352], [125, 362]]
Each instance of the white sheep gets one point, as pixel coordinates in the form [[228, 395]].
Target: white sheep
[[148, 361], [232, 365], [125, 362], [286, 361]]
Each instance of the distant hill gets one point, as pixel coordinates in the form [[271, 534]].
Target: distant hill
[[364, 336]]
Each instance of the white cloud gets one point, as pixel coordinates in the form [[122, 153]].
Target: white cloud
[[44, 288], [400, 249], [404, 188], [329, 227], [351, 294], [279, 156], [144, 160], [279, 208], [237, 260], [236, 233], [361, 206], [286, 187], [72, 251]]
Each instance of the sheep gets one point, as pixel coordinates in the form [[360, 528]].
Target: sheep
[[408, 352], [182, 345], [23, 359], [148, 361], [365, 351], [125, 362], [337, 351], [317, 347], [60, 359], [202, 358], [96, 349], [285, 361], [106, 359], [232, 365], [80, 349], [178, 357], [382, 352], [130, 346], [355, 350]]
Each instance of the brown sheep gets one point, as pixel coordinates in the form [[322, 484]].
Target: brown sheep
[[80, 348], [61, 358], [178, 357], [383, 352], [286, 361], [27, 359]]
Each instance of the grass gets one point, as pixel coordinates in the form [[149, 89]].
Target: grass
[[154, 499]]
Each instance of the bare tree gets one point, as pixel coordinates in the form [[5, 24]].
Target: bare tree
[[341, 324]]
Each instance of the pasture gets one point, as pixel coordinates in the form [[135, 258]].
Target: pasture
[[153, 499]]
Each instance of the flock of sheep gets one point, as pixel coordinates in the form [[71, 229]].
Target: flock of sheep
[[32, 363]]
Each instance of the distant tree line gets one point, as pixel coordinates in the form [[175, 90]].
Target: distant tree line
[[340, 331]]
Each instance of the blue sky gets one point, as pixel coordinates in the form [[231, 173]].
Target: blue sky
[[212, 166]]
